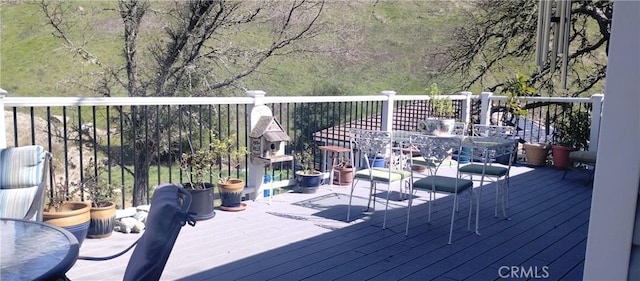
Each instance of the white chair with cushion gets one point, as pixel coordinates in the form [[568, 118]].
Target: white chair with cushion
[[375, 143], [485, 165], [438, 149], [23, 178]]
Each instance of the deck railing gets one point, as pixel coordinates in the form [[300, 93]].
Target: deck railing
[[118, 133]]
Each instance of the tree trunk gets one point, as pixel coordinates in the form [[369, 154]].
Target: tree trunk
[[141, 175]]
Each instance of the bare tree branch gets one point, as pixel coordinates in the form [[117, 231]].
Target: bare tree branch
[[501, 34], [191, 54]]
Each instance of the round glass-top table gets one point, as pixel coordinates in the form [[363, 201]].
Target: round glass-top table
[[32, 250]]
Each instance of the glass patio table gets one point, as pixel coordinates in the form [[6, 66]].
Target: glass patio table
[[32, 250]]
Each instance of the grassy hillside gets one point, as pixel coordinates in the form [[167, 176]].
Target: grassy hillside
[[386, 46]]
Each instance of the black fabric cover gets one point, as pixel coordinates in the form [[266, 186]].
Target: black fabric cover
[[164, 222]]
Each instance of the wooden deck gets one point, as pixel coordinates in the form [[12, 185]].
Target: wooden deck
[[305, 236]]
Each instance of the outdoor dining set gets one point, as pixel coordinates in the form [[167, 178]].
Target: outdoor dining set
[[415, 161]]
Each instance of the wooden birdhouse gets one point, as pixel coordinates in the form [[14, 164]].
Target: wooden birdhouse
[[267, 141]]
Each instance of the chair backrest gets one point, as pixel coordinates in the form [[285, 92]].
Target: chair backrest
[[369, 143], [436, 149], [499, 132], [167, 215], [494, 131], [23, 178], [459, 129]]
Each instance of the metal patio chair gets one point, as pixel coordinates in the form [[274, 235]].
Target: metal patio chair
[[438, 149], [499, 173], [371, 144]]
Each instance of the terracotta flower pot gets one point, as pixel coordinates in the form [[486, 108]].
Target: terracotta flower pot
[[561, 156], [343, 175], [536, 153]]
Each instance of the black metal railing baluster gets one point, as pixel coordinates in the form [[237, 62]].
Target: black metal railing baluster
[[80, 150], [108, 148], [33, 125], [122, 156], [158, 147], [15, 127], [170, 156]]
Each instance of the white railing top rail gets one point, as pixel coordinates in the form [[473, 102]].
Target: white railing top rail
[[546, 99], [121, 101], [128, 101], [460, 96]]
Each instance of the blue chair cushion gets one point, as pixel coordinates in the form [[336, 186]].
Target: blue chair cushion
[[443, 184], [489, 170], [382, 174]]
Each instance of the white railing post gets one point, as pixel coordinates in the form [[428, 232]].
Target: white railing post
[[596, 114], [255, 172], [3, 129], [485, 108], [386, 123], [466, 108]]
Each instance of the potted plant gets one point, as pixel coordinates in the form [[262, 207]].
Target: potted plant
[[440, 123], [199, 164], [103, 209], [536, 153], [344, 172], [63, 212], [308, 177], [570, 134], [513, 90]]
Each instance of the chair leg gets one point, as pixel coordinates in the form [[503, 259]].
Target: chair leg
[[429, 216], [477, 211], [507, 190], [504, 198], [470, 208], [498, 195], [386, 208], [371, 191], [453, 216], [501, 196], [481, 187], [406, 231], [353, 186]]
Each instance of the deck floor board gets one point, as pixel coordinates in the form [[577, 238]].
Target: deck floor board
[[307, 237]]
